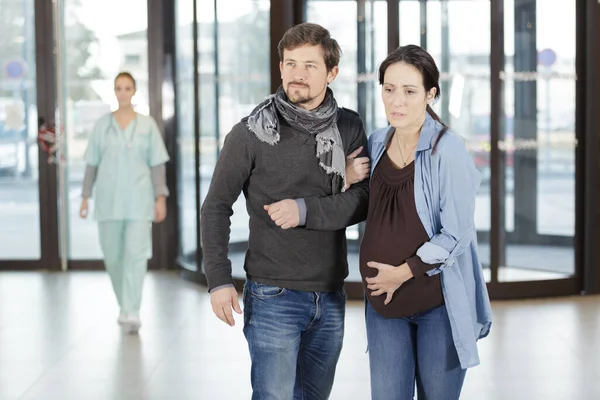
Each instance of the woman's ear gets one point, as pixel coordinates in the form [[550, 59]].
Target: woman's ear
[[431, 95]]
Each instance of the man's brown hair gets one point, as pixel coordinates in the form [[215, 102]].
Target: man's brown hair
[[314, 35]]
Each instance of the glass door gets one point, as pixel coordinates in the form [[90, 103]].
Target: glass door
[[229, 36], [539, 141], [360, 28], [462, 54], [25, 176], [57, 65], [525, 208], [92, 53]]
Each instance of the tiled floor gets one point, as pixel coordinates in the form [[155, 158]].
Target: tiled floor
[[59, 340]]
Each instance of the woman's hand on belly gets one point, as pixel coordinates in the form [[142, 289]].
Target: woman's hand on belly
[[388, 279]]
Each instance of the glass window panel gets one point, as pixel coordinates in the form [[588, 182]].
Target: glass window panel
[[462, 53], [410, 22], [19, 192], [376, 52], [185, 124], [539, 140], [339, 18], [234, 77], [94, 52]]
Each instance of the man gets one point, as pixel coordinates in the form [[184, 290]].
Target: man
[[289, 158]]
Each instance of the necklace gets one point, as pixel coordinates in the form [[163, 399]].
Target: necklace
[[404, 161]]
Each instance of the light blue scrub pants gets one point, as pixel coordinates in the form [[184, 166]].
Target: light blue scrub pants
[[126, 246]]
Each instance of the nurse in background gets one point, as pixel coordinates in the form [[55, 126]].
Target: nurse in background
[[126, 159]]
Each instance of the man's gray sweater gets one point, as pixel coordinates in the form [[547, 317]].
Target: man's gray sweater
[[312, 257]]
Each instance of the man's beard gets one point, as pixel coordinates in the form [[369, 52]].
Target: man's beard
[[296, 98]]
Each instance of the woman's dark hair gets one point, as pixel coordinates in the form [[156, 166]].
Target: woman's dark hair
[[421, 60], [125, 75]]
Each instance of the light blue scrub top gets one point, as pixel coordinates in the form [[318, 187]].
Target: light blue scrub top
[[123, 187]]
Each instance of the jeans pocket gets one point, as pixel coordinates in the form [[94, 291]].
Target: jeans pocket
[[245, 291], [341, 292], [263, 291]]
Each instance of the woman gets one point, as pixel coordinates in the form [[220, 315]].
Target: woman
[[126, 159], [426, 298]]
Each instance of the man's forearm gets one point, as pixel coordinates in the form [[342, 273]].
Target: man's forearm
[[340, 210]]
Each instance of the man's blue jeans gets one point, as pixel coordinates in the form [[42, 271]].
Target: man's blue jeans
[[418, 349], [295, 339]]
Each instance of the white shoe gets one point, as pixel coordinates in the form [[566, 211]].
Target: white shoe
[[132, 324], [122, 320]]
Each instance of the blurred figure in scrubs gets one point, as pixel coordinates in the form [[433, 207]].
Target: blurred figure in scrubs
[[126, 159]]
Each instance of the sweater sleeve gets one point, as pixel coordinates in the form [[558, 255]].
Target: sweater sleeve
[[88, 181], [159, 180], [232, 171]]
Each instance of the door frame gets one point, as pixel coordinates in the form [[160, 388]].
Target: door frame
[[164, 235], [47, 179]]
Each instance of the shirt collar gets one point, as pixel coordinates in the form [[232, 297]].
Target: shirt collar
[[428, 131]]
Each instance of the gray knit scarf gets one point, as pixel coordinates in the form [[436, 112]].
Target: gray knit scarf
[[321, 122]]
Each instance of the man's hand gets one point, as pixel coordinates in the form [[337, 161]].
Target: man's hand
[[284, 213], [222, 301], [388, 279], [357, 169]]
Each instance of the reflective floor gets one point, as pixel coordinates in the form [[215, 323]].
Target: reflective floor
[[59, 340]]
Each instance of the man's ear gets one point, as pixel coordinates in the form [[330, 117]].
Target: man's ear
[[331, 75]]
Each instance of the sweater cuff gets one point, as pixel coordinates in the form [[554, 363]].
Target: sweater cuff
[[221, 287], [301, 211], [418, 267]]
